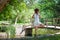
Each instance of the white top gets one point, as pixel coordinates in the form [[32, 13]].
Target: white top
[[36, 19]]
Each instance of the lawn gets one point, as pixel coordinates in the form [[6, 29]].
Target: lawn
[[43, 31], [54, 37]]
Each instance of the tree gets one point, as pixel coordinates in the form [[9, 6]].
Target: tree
[[49, 7], [10, 12]]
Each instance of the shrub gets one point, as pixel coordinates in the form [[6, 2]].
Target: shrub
[[11, 31]]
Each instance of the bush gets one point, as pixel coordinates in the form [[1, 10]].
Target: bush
[[3, 29], [11, 31]]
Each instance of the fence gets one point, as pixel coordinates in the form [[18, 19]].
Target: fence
[[55, 22]]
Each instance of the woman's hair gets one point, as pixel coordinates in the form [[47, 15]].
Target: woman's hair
[[36, 9]]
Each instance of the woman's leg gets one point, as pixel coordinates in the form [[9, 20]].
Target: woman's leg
[[36, 27], [41, 25]]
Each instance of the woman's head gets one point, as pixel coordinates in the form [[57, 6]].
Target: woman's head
[[36, 10]]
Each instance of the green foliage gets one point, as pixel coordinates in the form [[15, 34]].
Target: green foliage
[[44, 31], [6, 13], [50, 8], [54, 37], [11, 31], [13, 9], [3, 29], [23, 10]]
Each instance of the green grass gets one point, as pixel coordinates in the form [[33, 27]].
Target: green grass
[[55, 37], [45, 31]]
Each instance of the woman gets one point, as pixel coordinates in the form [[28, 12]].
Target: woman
[[37, 22]]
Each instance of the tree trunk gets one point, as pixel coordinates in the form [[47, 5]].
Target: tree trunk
[[3, 3], [16, 19]]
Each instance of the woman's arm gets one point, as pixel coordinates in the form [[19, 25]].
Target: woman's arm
[[33, 16], [39, 16]]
